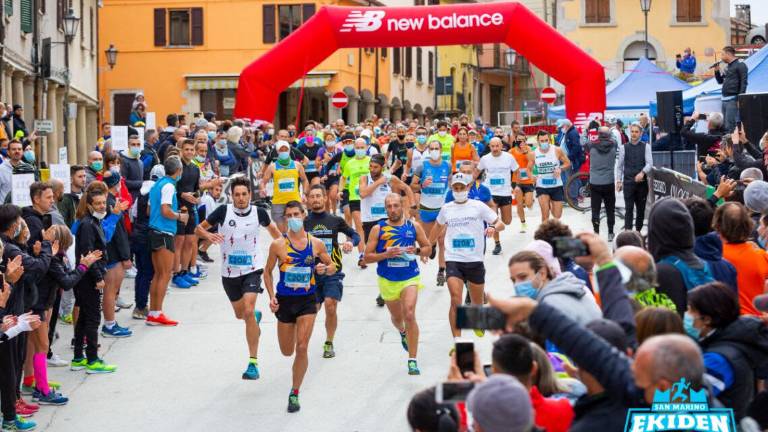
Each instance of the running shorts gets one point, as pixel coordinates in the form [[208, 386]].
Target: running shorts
[[502, 201], [236, 287], [428, 215], [391, 290], [329, 286], [555, 193], [292, 307], [159, 240], [473, 272]]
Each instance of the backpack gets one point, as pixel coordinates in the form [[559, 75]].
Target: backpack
[[691, 277]]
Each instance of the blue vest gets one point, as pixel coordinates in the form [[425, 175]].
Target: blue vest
[[157, 221], [399, 268]]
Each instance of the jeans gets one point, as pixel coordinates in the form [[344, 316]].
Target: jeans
[[600, 194], [88, 298], [635, 196], [144, 272], [730, 115]]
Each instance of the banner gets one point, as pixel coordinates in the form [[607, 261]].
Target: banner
[[672, 183], [20, 184], [120, 138], [61, 172]]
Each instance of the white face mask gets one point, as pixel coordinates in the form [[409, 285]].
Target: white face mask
[[461, 197], [434, 154], [99, 215], [441, 133]]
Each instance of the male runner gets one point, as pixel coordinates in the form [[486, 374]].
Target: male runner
[[392, 244], [295, 303], [242, 261], [326, 226], [498, 167], [350, 180], [463, 224], [523, 180], [445, 139], [287, 174], [550, 162]]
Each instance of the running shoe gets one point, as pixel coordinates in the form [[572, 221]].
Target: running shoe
[[115, 332], [404, 341], [28, 405], [99, 367], [203, 255], [190, 278], [257, 313], [131, 273], [122, 304], [441, 277], [140, 314], [52, 398], [78, 364], [199, 274], [523, 227], [379, 301], [20, 424], [66, 319], [479, 332], [180, 282], [293, 403], [161, 320], [328, 351], [27, 389], [610, 237], [56, 361], [413, 368], [497, 249], [252, 372]]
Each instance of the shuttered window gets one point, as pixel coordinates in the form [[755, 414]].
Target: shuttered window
[[597, 11], [431, 68], [279, 21], [197, 26], [408, 62], [61, 10], [178, 27], [268, 23], [396, 60], [82, 22], [307, 10], [418, 64], [159, 27], [688, 10], [27, 13], [9, 7]]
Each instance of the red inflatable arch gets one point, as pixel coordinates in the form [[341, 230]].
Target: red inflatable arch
[[335, 27]]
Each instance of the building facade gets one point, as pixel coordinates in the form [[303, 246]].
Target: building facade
[[185, 56], [68, 95]]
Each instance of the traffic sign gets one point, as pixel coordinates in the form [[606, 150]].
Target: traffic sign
[[339, 100], [444, 85], [548, 95], [44, 126]]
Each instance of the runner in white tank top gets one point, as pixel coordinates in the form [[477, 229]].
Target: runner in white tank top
[[550, 161]]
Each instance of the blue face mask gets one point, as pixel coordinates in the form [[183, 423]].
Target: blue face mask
[[295, 224], [284, 155], [29, 155], [689, 328], [97, 165], [211, 135], [422, 139], [526, 289], [360, 153], [544, 146], [349, 149], [761, 242]]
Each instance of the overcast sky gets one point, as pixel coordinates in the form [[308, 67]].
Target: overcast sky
[[759, 10]]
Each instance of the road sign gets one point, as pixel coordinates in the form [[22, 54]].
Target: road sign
[[548, 95], [444, 85], [44, 126], [339, 100]]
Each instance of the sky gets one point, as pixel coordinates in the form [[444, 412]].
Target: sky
[[759, 10]]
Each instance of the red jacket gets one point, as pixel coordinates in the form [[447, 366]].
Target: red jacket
[[552, 415]]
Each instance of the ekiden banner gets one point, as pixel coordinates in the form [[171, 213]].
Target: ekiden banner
[[666, 182], [335, 27]]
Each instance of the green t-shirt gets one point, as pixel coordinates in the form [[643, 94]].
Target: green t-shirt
[[446, 142], [352, 171]]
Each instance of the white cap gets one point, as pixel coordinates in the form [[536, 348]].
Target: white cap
[[280, 144], [157, 172], [461, 178], [365, 133]]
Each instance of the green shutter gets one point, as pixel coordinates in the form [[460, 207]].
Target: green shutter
[[27, 14], [9, 7]]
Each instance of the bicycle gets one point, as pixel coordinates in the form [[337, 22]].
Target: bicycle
[[579, 182]]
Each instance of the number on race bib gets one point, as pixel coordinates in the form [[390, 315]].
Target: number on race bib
[[548, 182], [240, 260], [498, 181], [286, 185], [464, 243], [298, 277], [378, 210]]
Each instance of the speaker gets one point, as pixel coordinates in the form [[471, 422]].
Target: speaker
[[670, 111], [753, 110]]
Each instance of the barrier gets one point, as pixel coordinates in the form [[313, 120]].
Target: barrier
[[684, 161]]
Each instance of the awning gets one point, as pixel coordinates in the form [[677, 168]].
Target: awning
[[229, 81]]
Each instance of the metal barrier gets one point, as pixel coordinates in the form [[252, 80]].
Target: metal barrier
[[684, 161]]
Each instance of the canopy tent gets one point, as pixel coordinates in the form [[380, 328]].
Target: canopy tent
[[633, 89], [757, 82]]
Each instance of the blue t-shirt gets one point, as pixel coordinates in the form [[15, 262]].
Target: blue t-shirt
[[478, 191], [400, 268]]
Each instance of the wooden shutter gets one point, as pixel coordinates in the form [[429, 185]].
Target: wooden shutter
[[160, 27], [590, 11], [197, 26], [396, 60], [268, 23], [307, 10], [9, 7], [26, 11], [694, 7], [383, 52], [82, 22], [604, 11]]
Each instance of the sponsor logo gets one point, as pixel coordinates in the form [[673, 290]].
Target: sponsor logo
[[680, 408], [373, 20]]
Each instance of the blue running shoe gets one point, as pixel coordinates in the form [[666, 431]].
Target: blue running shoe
[[258, 315], [189, 278], [52, 398], [115, 332], [404, 341], [20, 424], [179, 282], [252, 373], [413, 368], [199, 274]]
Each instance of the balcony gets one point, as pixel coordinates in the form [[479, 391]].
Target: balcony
[[491, 59]]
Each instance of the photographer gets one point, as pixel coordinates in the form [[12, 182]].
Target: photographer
[[706, 143]]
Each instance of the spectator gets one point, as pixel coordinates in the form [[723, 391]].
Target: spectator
[[655, 321], [139, 99], [734, 225], [602, 161], [131, 167], [19, 127], [732, 74], [686, 64], [58, 193], [426, 415], [149, 157], [500, 404], [547, 232], [233, 145], [630, 238], [106, 135], [708, 245], [94, 168], [709, 142], [138, 117], [756, 201], [633, 164], [569, 141], [14, 165]]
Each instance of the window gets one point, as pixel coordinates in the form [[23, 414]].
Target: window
[[184, 27], [408, 62], [597, 11], [82, 21], [418, 64], [9, 7], [61, 10], [689, 11], [268, 21], [431, 68], [90, 30], [497, 55], [178, 23], [396, 60], [383, 52], [26, 9], [289, 18]]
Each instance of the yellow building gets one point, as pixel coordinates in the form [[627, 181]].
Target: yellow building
[[185, 56], [460, 63], [613, 30]]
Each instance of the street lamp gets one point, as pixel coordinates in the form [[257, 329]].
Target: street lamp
[[645, 6], [511, 56], [70, 25], [111, 54]]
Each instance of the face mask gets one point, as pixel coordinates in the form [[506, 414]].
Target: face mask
[[761, 242], [97, 165], [422, 139], [401, 137], [544, 146], [283, 155], [271, 131], [211, 135], [441, 133], [135, 151], [295, 224], [434, 154], [98, 215], [178, 177], [115, 169], [29, 155], [330, 144], [461, 197], [17, 231], [200, 159], [349, 148], [689, 328], [360, 153], [409, 144], [526, 289]]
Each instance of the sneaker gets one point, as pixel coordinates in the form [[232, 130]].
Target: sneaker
[[199, 274], [497, 249], [190, 278], [78, 364], [523, 227], [161, 320], [131, 273], [379, 301], [404, 341], [479, 332], [140, 314], [30, 406], [99, 367], [413, 368], [122, 304], [293, 403], [610, 237], [441, 277], [203, 255], [252, 373], [23, 411], [56, 361], [180, 282], [66, 319], [257, 313], [20, 424], [328, 351], [52, 398], [115, 332]]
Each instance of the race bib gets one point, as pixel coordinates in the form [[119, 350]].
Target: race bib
[[311, 167], [398, 263], [286, 185], [498, 181], [523, 173], [328, 244], [298, 277], [549, 182], [463, 242], [435, 189], [378, 210], [240, 259]]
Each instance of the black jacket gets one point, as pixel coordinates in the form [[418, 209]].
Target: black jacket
[[24, 294], [132, 170], [58, 276], [119, 246], [34, 222], [598, 413], [19, 125], [702, 141], [734, 80], [90, 237]]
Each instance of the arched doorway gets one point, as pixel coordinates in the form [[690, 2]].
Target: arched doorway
[[635, 51]]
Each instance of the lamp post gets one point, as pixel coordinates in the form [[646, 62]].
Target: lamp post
[[645, 6], [111, 54], [71, 22], [511, 56]]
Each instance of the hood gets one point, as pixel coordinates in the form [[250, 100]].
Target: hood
[[748, 334], [604, 142], [567, 284], [670, 232], [709, 247], [146, 185], [27, 212]]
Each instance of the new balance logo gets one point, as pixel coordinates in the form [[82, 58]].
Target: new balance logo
[[368, 21]]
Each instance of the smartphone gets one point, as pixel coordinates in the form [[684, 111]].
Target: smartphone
[[487, 369], [465, 355], [702, 117], [453, 391], [569, 247], [47, 221], [480, 317]]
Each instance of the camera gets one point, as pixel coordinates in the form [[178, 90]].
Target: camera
[[480, 317]]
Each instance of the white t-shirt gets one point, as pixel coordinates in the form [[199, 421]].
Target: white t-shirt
[[464, 238], [498, 172], [167, 193]]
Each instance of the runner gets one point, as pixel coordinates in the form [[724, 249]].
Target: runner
[[463, 150], [463, 224], [432, 179], [523, 180], [498, 166], [329, 171], [445, 139], [392, 245], [237, 233], [295, 302], [336, 165], [416, 157], [326, 227], [549, 184], [310, 144], [287, 173], [350, 179]]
